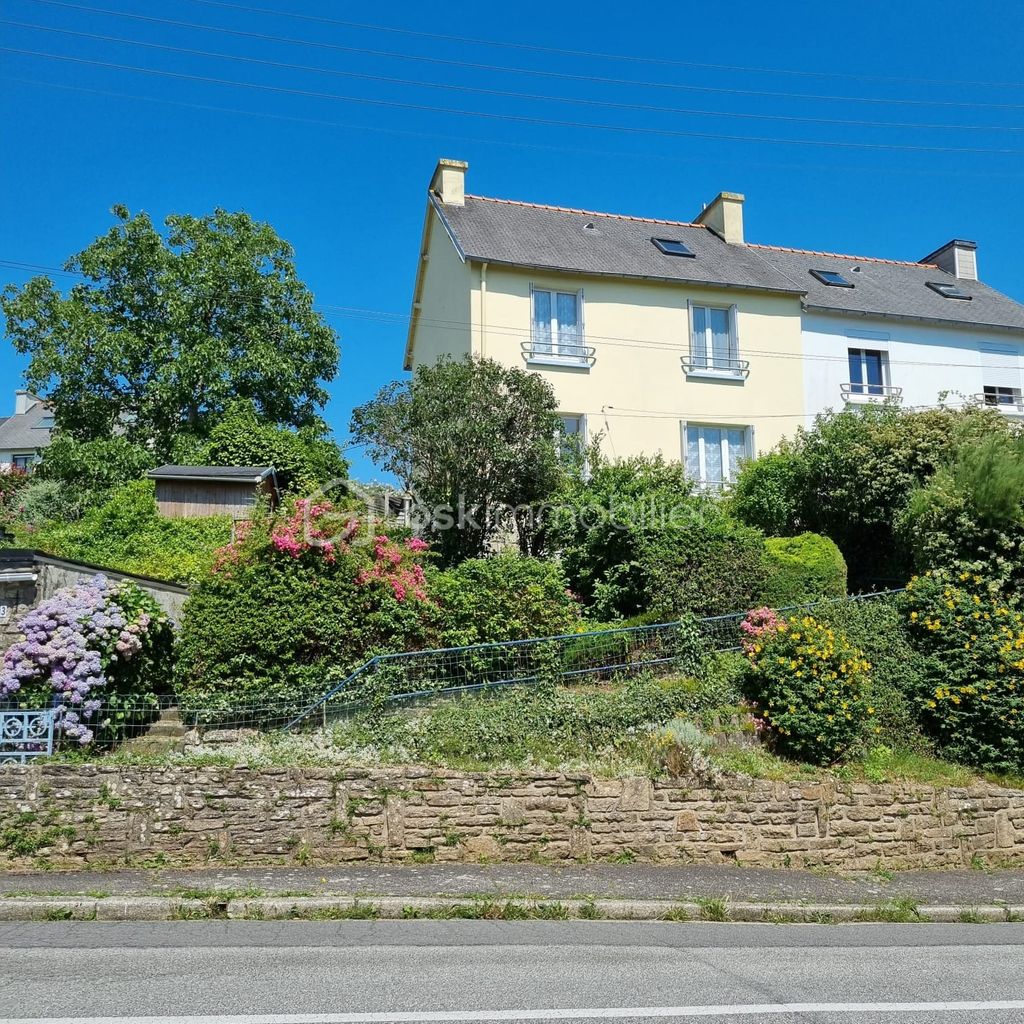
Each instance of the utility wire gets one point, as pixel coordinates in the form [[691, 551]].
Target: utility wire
[[511, 94], [393, 318], [560, 51], [515, 118], [492, 68]]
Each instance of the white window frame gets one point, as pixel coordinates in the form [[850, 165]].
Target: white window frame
[[555, 357], [582, 434], [707, 344], [748, 449]]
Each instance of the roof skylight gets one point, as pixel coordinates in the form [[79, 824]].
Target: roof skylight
[[832, 278], [948, 290], [672, 247]]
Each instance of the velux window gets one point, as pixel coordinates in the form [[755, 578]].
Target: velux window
[[673, 247], [558, 325], [832, 278]]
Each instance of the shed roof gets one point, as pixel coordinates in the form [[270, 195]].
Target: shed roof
[[222, 474]]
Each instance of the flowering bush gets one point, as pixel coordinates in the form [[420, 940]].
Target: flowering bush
[[810, 685], [12, 480], [972, 693], [90, 651]]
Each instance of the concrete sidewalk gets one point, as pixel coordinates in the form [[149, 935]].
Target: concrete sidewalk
[[636, 882]]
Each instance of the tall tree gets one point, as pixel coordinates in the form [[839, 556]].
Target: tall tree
[[477, 444], [168, 328]]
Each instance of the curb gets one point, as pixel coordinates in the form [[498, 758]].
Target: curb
[[337, 908]]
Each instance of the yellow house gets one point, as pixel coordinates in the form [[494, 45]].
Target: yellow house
[[659, 336]]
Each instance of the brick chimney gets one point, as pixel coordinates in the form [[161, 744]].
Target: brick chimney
[[724, 215], [449, 182], [958, 258]]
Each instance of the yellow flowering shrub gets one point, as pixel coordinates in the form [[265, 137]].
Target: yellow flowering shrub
[[972, 694], [811, 687]]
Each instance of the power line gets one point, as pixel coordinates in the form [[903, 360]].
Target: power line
[[393, 318], [515, 118], [492, 68], [560, 51], [511, 94]]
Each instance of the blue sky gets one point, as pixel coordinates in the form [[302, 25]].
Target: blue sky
[[342, 174]]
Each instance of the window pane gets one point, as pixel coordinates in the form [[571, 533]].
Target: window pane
[[542, 321], [568, 324], [693, 453], [699, 345], [737, 451], [572, 425], [712, 454], [873, 366], [721, 342], [856, 378]]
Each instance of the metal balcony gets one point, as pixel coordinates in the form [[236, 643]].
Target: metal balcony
[[871, 393], [1011, 405], [555, 353], [726, 369]]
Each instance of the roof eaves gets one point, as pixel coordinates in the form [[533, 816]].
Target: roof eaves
[[579, 272], [841, 311]]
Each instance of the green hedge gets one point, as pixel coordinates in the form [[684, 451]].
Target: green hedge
[[803, 568]]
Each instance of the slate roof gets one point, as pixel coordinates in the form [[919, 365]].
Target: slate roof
[[234, 474], [587, 242], [549, 237], [893, 288], [22, 433]]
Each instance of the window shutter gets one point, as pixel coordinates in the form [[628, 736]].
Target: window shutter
[[1000, 366]]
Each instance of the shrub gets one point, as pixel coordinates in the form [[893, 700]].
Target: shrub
[[13, 480], [878, 628], [48, 501], [93, 466], [505, 597], [287, 614], [810, 686], [127, 533], [803, 568], [972, 692], [98, 651]]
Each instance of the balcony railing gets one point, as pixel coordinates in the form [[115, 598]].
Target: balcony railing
[[871, 393], [558, 353], [726, 368], [1010, 404]]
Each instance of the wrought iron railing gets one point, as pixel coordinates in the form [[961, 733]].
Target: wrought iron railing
[[854, 392], [715, 366], [1004, 403], [558, 352]]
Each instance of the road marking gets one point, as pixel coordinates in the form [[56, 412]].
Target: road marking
[[580, 1013]]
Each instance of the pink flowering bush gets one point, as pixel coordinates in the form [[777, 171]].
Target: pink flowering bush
[[99, 652]]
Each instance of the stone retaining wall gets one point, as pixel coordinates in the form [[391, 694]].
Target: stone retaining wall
[[105, 814]]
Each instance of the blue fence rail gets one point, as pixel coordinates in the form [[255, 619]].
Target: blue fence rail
[[25, 735]]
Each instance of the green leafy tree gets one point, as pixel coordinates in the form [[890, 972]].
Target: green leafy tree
[[167, 329], [95, 465], [475, 441], [303, 459]]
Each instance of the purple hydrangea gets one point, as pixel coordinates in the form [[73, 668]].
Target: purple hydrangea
[[71, 640]]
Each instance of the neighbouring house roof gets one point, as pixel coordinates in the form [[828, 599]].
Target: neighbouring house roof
[[554, 238], [893, 288], [587, 242], [24, 432], [216, 474]]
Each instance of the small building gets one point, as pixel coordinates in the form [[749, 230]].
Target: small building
[[26, 433], [188, 492]]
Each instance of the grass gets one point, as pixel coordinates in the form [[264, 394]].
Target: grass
[[901, 910], [713, 909]]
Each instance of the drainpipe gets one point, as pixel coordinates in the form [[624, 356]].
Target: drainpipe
[[483, 309]]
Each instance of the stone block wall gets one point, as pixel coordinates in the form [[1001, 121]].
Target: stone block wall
[[109, 814]]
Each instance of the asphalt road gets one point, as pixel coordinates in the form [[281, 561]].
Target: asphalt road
[[420, 972]]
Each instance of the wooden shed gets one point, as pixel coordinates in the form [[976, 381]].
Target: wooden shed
[[187, 492]]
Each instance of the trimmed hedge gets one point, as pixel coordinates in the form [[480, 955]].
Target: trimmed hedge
[[803, 568]]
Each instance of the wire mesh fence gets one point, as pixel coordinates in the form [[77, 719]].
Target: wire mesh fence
[[590, 658]]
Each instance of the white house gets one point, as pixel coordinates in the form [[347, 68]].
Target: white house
[[24, 434]]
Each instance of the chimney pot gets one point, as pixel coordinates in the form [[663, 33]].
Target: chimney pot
[[724, 216], [958, 257], [449, 181]]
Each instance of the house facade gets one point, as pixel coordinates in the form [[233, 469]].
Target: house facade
[[681, 337], [26, 433]]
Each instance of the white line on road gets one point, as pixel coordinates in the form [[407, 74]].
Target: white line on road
[[579, 1013]]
